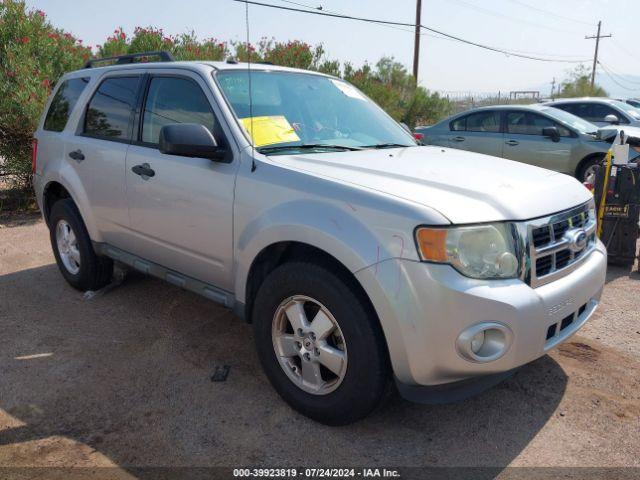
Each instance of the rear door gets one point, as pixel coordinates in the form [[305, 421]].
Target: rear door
[[478, 132], [97, 150], [525, 143], [181, 218]]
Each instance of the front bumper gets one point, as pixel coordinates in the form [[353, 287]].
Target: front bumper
[[423, 308]]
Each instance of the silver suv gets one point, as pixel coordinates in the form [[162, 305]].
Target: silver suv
[[362, 259]]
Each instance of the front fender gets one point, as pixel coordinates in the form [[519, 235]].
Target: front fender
[[340, 233]]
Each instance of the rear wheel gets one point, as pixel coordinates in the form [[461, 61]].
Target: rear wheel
[[72, 247], [319, 345]]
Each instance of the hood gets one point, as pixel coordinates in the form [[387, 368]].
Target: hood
[[465, 187]]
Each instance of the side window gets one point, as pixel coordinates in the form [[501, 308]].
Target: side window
[[458, 125], [63, 103], [578, 109], [597, 112], [567, 107], [527, 123], [174, 100], [483, 122], [110, 110]]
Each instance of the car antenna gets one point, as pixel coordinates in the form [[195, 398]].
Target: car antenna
[[253, 147]]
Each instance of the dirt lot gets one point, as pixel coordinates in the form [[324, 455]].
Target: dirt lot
[[123, 380]]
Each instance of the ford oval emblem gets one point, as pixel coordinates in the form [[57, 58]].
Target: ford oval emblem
[[577, 239]]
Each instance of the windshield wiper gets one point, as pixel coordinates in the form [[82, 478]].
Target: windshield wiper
[[387, 145], [306, 146]]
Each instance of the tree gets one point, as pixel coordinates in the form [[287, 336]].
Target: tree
[[33, 55], [579, 85], [391, 86]]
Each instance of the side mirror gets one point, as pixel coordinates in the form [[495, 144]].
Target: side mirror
[[612, 119], [552, 133], [190, 140]]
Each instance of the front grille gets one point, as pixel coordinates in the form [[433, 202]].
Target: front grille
[[550, 244]]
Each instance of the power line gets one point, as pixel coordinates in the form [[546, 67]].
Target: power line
[[624, 49], [321, 8], [493, 13], [553, 14], [613, 79], [619, 75], [404, 24]]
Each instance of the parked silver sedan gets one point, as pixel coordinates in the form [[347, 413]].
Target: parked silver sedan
[[534, 134]]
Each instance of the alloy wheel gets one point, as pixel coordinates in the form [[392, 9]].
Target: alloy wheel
[[68, 247], [309, 345]]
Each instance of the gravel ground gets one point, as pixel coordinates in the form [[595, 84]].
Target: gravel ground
[[123, 380]]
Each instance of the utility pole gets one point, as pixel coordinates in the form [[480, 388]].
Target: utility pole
[[553, 87], [595, 56], [416, 46]]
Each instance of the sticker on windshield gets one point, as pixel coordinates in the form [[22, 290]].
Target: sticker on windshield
[[269, 130], [347, 89]]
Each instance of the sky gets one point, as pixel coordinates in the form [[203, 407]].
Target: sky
[[548, 28]]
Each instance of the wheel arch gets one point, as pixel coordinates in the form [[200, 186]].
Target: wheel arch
[[57, 189], [278, 253]]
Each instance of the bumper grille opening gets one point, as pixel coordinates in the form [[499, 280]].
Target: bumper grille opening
[[555, 329], [566, 321]]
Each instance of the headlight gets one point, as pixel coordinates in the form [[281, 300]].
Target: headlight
[[481, 251]]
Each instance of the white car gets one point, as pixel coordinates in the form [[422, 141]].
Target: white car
[[600, 111]]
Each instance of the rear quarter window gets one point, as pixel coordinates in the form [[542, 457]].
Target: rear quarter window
[[110, 111], [63, 103]]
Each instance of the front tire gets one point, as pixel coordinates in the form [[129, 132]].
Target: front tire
[[588, 168], [76, 259], [319, 343]]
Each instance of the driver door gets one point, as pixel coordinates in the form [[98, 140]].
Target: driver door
[[181, 217]]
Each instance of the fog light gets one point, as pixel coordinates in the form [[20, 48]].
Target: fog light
[[484, 342]]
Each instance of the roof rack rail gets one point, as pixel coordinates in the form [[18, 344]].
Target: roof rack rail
[[129, 58]]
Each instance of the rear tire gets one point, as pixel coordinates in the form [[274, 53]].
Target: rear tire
[[76, 259], [340, 398]]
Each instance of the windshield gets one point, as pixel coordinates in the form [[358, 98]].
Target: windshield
[[630, 109], [307, 113], [577, 123]]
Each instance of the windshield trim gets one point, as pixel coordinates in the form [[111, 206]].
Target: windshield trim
[[262, 68]]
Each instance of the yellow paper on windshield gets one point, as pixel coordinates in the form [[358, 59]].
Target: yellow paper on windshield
[[270, 130]]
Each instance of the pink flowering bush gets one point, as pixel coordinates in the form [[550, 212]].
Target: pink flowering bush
[[33, 55], [149, 39]]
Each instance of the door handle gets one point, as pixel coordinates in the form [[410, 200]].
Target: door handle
[[457, 139], [77, 155], [143, 170], [513, 143]]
